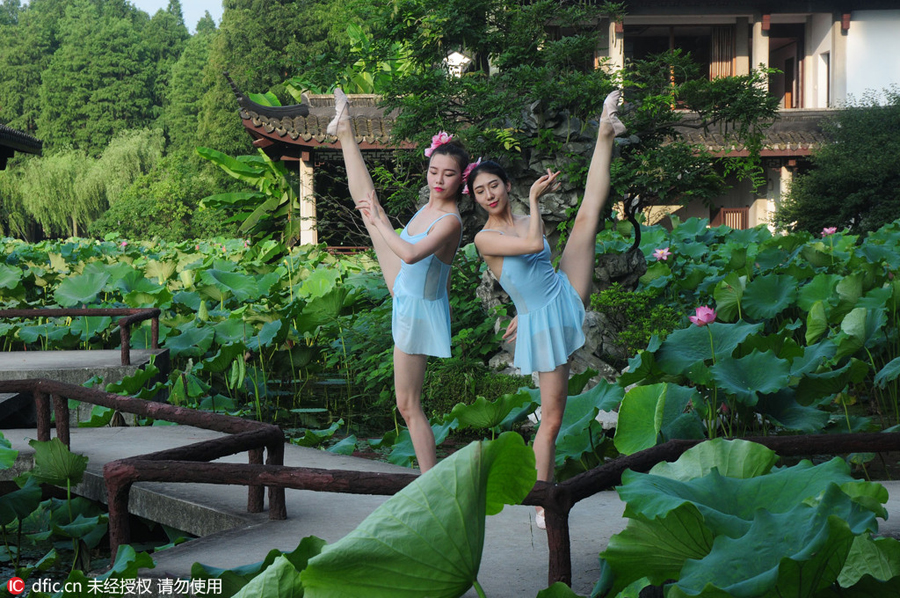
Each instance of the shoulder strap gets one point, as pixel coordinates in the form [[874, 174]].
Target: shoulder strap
[[438, 219], [492, 230]]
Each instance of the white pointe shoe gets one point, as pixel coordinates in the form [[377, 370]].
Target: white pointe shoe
[[539, 519], [611, 107], [341, 111]]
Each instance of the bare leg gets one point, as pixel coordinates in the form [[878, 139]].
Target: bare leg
[[554, 391], [360, 182], [577, 260], [409, 376]]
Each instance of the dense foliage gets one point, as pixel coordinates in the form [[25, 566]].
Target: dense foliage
[[853, 182]]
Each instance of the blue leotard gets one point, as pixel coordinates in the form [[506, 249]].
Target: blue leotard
[[420, 321], [551, 313]]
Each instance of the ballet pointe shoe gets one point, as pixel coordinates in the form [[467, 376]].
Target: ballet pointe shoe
[[341, 112], [539, 518], [611, 112]]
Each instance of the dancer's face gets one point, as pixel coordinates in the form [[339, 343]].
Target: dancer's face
[[444, 176], [491, 192]]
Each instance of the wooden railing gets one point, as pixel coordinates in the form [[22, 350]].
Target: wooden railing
[[129, 317]]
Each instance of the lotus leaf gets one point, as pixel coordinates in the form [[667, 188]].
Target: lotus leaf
[[647, 412], [191, 342], [747, 376], [402, 451], [820, 288], [235, 579], [55, 464], [732, 458], [683, 348], [20, 503], [877, 558], [241, 286], [81, 289], [785, 411], [280, 579], [767, 296], [484, 414], [428, 538], [728, 296]]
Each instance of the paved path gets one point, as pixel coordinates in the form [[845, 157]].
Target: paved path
[[515, 558]]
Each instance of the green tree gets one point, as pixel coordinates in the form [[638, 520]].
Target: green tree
[[29, 36], [164, 38], [99, 81], [533, 70], [185, 89], [261, 44], [851, 184]]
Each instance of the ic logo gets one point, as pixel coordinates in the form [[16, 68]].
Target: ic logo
[[15, 585]]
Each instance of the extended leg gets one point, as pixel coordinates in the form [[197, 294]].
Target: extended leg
[[577, 260], [360, 182], [554, 391], [409, 376]]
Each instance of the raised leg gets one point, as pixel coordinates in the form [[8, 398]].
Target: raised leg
[[577, 260], [360, 182], [409, 376]]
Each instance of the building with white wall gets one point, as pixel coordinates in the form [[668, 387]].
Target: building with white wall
[[829, 52]]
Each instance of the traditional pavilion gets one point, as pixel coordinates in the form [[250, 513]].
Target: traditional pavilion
[[13, 140], [297, 134]]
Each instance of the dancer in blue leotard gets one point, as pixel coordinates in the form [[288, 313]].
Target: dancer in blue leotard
[[549, 304], [415, 265]]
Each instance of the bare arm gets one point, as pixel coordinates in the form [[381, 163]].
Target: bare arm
[[447, 230], [494, 244]]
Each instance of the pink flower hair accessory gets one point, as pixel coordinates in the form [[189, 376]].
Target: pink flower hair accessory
[[437, 141], [466, 173]]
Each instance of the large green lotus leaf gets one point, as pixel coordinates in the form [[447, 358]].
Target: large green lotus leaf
[[732, 458], [192, 342], [20, 503], [756, 373], [767, 296], [241, 286], [642, 367], [319, 283], [657, 548], [80, 289], [816, 322], [55, 464], [266, 335], [813, 357], [849, 290], [402, 451], [877, 298], [10, 278], [782, 409], [796, 553], [813, 387], [485, 414], [160, 270], [820, 288], [646, 411], [88, 529], [877, 254], [232, 330], [280, 579], [427, 539], [728, 296], [695, 274], [876, 558], [323, 309], [658, 275], [654, 496], [8, 455], [858, 329], [582, 409], [528, 406], [235, 579], [888, 373], [224, 357], [87, 327], [50, 331], [683, 348]]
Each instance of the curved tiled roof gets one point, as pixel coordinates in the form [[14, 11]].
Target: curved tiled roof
[[19, 141], [304, 124], [794, 133], [13, 140]]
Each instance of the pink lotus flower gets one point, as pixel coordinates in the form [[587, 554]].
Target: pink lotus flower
[[829, 230], [123, 243], [662, 254], [704, 315], [437, 141], [466, 173]]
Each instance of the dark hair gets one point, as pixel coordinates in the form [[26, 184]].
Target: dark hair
[[456, 151], [490, 167]]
